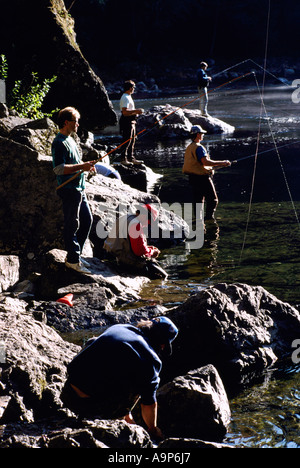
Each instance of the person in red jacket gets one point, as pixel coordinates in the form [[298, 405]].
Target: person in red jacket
[[128, 243]]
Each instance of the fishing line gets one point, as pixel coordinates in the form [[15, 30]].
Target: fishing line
[[259, 133], [281, 164], [266, 151], [145, 131]]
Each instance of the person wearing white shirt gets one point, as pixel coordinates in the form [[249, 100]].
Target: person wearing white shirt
[[128, 118]]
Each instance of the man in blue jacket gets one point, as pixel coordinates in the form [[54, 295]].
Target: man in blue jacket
[[114, 370], [203, 81]]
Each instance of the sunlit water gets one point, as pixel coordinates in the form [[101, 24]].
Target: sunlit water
[[256, 244]]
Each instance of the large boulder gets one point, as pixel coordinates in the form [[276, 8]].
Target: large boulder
[[194, 406], [40, 37], [240, 329], [169, 122]]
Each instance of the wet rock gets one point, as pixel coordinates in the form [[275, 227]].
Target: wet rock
[[104, 282], [240, 329], [210, 124], [75, 434], [168, 122], [194, 406], [33, 370]]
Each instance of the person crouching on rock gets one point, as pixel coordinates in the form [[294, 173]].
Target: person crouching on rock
[[128, 244], [113, 371]]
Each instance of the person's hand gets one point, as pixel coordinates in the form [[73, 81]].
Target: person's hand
[[226, 163], [89, 166], [156, 252], [140, 111]]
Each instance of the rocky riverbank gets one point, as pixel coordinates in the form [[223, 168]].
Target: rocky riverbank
[[230, 334], [234, 331]]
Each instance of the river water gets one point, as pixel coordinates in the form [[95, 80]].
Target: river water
[[257, 244]]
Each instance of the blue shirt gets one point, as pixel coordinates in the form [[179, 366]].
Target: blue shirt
[[65, 151], [202, 78], [201, 153], [119, 362]]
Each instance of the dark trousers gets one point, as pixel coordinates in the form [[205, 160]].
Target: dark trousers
[[77, 222], [107, 406], [128, 132], [203, 189]]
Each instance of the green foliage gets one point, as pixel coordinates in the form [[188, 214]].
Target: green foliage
[[3, 68], [27, 99]]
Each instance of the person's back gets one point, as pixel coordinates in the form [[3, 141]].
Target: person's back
[[119, 363]]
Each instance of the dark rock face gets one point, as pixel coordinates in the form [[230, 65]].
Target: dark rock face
[[51, 49], [239, 329]]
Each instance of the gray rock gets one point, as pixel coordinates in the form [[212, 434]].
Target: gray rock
[[240, 329], [194, 406], [168, 122], [9, 271]]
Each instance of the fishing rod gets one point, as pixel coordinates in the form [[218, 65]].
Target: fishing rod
[[266, 151], [145, 130]]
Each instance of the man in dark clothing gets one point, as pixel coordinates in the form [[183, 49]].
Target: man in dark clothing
[[108, 376], [203, 81]]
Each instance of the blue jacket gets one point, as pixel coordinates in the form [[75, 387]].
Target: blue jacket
[[202, 78], [119, 362]]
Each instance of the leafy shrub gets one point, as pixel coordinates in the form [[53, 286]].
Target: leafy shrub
[[27, 99]]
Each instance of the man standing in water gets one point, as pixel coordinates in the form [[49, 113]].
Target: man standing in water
[[66, 162], [128, 118], [199, 167], [203, 81]]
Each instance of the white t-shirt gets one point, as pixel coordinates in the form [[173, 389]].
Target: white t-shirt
[[127, 102]]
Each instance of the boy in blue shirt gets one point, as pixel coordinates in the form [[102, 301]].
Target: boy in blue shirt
[[67, 162]]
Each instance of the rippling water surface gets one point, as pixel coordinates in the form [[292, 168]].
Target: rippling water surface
[[265, 251]]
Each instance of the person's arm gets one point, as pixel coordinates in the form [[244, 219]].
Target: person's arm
[[149, 415], [68, 169], [139, 244], [72, 168], [204, 158], [128, 113], [206, 161]]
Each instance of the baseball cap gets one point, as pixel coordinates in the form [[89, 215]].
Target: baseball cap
[[197, 129], [166, 332]]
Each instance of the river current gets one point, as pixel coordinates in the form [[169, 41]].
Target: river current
[[255, 243]]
